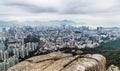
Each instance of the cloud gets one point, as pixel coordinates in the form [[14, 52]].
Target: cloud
[[31, 8], [67, 7], [92, 12], [90, 6]]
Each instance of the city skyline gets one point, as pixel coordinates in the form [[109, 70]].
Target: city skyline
[[90, 13]]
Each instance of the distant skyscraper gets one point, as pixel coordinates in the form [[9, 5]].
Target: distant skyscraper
[[99, 28], [3, 29]]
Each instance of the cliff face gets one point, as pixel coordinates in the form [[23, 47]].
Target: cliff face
[[57, 61]]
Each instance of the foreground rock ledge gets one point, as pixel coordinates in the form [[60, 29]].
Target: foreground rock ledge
[[113, 68], [58, 61]]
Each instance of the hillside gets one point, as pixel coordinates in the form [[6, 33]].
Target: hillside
[[111, 50]]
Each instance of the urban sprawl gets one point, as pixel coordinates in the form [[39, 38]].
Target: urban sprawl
[[19, 43]]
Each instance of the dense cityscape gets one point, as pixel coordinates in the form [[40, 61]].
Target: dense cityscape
[[19, 43]]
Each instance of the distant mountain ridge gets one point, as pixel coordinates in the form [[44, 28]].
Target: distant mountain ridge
[[36, 23], [4, 24]]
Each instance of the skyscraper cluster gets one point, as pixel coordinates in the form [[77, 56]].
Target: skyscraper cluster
[[11, 56], [7, 61]]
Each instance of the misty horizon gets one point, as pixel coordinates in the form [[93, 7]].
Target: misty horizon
[[103, 13]]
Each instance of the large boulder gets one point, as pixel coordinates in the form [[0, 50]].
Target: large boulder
[[58, 61], [113, 68]]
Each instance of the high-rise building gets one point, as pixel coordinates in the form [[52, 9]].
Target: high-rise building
[[29, 45], [1, 67], [33, 48], [22, 52], [11, 61], [16, 52], [1, 55], [16, 60], [6, 55], [27, 51], [2, 46]]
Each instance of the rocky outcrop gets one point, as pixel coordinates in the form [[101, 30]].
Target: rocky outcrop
[[58, 61], [113, 68]]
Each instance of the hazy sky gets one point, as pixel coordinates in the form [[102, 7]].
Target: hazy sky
[[92, 12]]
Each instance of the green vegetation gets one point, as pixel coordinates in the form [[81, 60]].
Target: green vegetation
[[74, 51], [114, 44], [31, 38], [78, 52], [111, 50]]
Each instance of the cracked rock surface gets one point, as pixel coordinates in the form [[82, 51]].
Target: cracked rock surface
[[57, 61]]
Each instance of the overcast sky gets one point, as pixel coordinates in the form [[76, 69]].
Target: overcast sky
[[92, 12]]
